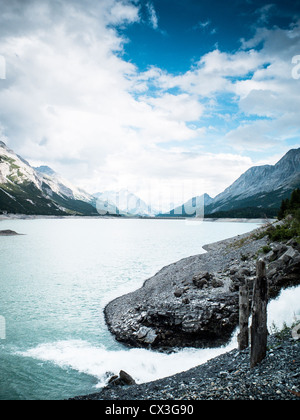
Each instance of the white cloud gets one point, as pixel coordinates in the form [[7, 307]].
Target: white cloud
[[123, 13], [171, 175], [180, 107], [260, 80], [153, 18], [72, 101], [211, 74], [271, 92], [264, 13], [202, 24]]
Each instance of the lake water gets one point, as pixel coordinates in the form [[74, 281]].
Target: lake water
[[54, 283]]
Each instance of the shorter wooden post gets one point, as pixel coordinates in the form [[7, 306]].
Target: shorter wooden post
[[259, 331], [243, 337]]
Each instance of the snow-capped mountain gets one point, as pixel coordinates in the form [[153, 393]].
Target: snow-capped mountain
[[41, 191], [13, 168], [61, 186], [124, 203], [24, 190]]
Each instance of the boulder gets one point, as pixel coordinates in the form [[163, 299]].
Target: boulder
[[217, 283], [124, 379], [290, 254], [200, 283], [186, 300], [201, 280], [8, 233], [178, 293], [146, 335]]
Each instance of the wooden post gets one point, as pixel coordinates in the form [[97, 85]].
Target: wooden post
[[259, 331], [243, 337]]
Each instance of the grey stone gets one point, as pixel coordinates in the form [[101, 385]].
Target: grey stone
[[178, 292], [142, 332], [150, 337]]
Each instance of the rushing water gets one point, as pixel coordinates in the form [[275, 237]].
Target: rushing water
[[54, 283]]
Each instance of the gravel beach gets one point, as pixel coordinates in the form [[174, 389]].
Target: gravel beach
[[226, 377]]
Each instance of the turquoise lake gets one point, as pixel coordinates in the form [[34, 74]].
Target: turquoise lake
[[55, 281]]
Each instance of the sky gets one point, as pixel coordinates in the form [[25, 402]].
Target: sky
[[168, 98]]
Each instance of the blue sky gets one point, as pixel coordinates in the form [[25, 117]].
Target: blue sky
[[186, 30], [150, 95]]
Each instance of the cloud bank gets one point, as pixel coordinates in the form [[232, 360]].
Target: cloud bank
[[72, 100]]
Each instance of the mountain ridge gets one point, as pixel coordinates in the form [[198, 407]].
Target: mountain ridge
[[261, 186], [257, 193], [24, 190]]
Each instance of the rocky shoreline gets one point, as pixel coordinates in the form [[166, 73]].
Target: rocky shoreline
[[226, 377], [194, 302]]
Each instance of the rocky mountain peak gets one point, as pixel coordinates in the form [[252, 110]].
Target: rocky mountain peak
[[45, 170]]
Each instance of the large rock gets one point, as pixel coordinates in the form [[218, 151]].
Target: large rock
[[146, 335], [8, 233], [124, 379]]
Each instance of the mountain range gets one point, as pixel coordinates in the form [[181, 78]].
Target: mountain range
[[257, 193], [260, 190], [38, 191], [41, 191]]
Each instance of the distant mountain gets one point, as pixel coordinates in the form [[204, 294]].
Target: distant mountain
[[25, 190], [258, 193], [260, 190], [124, 203], [41, 191], [192, 208]]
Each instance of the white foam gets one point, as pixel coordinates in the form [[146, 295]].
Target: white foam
[[285, 309], [143, 365]]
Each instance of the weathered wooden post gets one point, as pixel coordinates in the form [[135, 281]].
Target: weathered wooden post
[[244, 312], [259, 330]]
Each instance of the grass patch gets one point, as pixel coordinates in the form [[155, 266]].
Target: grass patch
[[290, 229]]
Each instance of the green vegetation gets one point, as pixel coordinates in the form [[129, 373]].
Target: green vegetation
[[289, 213], [27, 199], [284, 333], [289, 230], [259, 206], [11, 161], [244, 213], [290, 206], [266, 249]]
